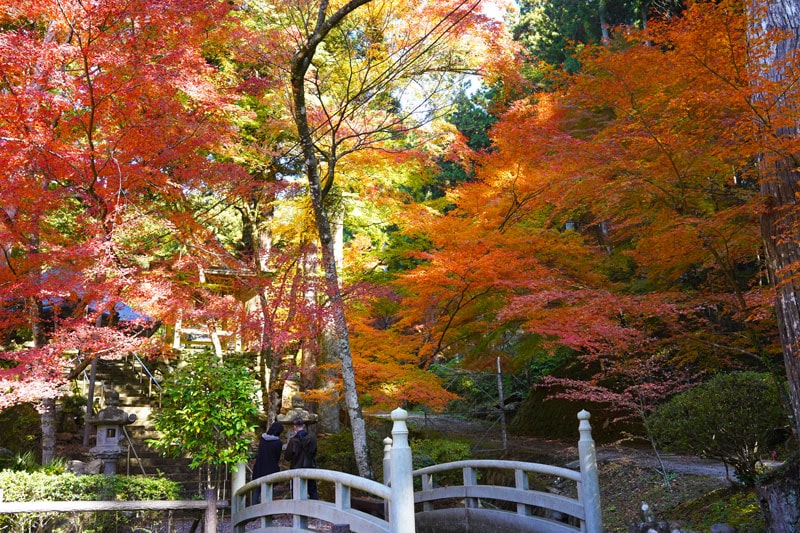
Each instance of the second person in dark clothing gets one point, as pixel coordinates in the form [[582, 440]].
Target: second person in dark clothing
[[301, 452], [269, 455]]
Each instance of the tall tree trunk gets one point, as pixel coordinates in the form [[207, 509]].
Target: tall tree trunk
[[257, 213], [328, 411], [47, 406], [337, 321], [779, 229], [48, 419], [605, 38], [779, 185]]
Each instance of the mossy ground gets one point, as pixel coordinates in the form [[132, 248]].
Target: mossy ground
[[697, 502]]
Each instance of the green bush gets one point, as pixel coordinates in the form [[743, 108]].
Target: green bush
[[22, 432], [735, 418], [39, 486], [207, 411], [21, 462], [335, 451], [428, 452]]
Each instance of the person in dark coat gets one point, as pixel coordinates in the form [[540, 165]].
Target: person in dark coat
[[269, 455], [301, 452]]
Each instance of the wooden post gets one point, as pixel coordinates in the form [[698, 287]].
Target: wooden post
[[401, 514], [502, 407], [427, 484], [521, 483], [210, 518], [590, 493]]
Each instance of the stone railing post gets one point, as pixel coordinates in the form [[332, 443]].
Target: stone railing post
[[387, 469], [590, 492], [387, 460], [238, 479], [401, 508]]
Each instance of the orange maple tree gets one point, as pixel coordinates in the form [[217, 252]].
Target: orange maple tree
[[615, 215]]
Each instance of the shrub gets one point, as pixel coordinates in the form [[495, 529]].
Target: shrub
[[207, 411], [428, 452], [22, 431], [39, 486], [335, 451], [734, 418]]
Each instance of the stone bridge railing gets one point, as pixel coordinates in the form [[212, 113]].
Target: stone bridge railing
[[301, 510], [399, 496], [471, 506], [480, 505]]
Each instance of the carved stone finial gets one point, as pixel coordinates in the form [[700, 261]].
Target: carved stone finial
[[298, 410]]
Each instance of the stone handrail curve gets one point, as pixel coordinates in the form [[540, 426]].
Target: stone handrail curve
[[537, 468], [302, 508], [523, 499], [379, 490]]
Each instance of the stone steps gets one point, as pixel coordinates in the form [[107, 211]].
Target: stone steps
[[135, 397]]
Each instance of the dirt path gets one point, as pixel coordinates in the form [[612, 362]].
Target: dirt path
[[489, 439]]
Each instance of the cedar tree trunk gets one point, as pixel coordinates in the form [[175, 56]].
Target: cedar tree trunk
[[779, 185]]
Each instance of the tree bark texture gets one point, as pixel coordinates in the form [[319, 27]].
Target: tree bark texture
[[48, 418], [779, 185], [328, 411], [338, 322], [780, 501], [780, 497]]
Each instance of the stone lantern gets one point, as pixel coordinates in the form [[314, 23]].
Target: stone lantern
[[109, 422], [298, 410]]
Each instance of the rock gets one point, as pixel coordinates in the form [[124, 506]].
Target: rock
[[649, 527], [647, 513], [76, 467], [723, 528], [94, 466], [676, 527], [83, 468]]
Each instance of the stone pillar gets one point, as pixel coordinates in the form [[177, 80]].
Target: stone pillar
[[387, 469], [590, 493], [401, 509]]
